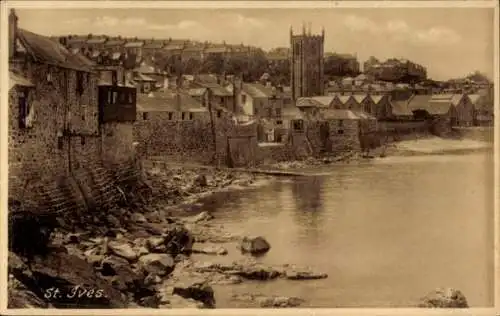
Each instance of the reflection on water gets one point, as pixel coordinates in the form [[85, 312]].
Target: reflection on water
[[385, 232]]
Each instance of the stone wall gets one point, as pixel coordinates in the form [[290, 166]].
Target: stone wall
[[186, 141], [343, 136], [117, 143], [56, 163]]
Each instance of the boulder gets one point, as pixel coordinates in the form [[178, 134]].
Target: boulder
[[138, 218], [257, 272], [254, 245], [444, 298], [156, 244], [197, 290], [210, 250], [201, 180], [69, 272], [126, 278], [122, 249], [305, 275], [178, 240], [279, 301], [159, 264], [203, 216]]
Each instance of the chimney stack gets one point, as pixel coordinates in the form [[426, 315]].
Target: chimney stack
[[12, 32]]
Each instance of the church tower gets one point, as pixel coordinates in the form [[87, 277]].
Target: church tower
[[307, 64]]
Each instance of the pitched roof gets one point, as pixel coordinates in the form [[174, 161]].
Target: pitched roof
[[154, 45], [205, 78], [96, 40], [308, 102], [142, 77], [195, 49], [257, 90], [401, 108], [474, 98], [116, 42], [49, 51], [174, 46], [456, 98], [134, 44], [359, 98], [167, 102], [18, 80], [197, 92], [217, 89], [292, 112], [325, 100], [146, 69], [432, 105], [216, 50], [116, 55], [344, 98], [376, 98], [338, 114]]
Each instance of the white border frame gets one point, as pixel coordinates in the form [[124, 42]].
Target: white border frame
[[7, 4]]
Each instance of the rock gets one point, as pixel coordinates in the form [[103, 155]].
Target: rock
[[178, 240], [176, 301], [120, 267], [201, 180], [444, 298], [138, 218], [269, 301], [68, 272], [257, 273], [123, 250], [280, 301], [305, 275], [152, 279], [210, 250], [113, 220], [197, 290], [203, 216], [154, 244], [254, 245], [151, 301], [159, 264], [141, 251], [19, 296], [94, 256], [72, 239]]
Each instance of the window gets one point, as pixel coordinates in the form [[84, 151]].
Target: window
[[287, 101], [82, 140], [297, 49], [219, 113], [115, 97], [80, 84], [279, 122], [340, 131], [243, 98], [110, 97], [130, 97], [191, 115], [278, 112], [26, 112], [341, 123], [170, 116], [298, 125], [123, 97], [183, 116], [145, 116]]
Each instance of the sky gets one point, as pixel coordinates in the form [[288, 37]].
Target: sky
[[450, 42]]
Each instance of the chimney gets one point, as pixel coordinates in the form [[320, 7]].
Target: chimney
[[12, 32]]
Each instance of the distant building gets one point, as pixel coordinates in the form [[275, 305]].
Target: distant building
[[307, 64]]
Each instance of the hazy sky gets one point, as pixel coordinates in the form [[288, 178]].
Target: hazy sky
[[450, 42]]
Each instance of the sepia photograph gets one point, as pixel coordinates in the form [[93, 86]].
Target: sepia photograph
[[249, 157]]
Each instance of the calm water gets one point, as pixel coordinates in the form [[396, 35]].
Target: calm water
[[386, 232]]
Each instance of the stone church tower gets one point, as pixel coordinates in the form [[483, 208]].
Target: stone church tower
[[307, 64]]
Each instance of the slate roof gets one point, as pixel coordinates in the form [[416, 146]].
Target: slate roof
[[338, 114], [117, 42], [401, 108], [154, 45], [215, 50], [292, 112], [257, 90], [325, 101], [146, 69], [217, 89], [344, 98], [18, 80], [308, 102], [205, 78], [174, 46], [49, 51], [436, 106], [167, 102], [133, 44], [96, 40]]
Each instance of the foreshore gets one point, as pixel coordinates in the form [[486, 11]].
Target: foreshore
[[140, 254]]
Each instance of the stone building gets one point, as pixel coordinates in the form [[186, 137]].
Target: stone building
[[307, 64], [56, 139]]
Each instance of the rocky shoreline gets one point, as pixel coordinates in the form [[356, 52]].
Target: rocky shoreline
[[141, 255], [133, 257]]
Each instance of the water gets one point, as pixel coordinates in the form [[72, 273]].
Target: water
[[386, 232]]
